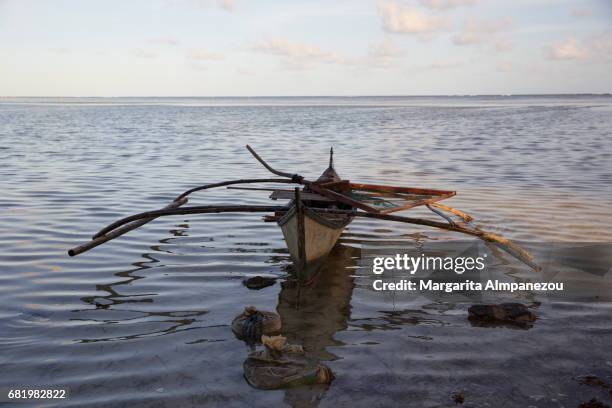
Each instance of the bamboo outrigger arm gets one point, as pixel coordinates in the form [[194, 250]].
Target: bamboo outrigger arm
[[127, 224], [465, 217], [120, 231], [271, 169], [182, 199], [441, 214], [505, 244], [124, 225], [137, 220]]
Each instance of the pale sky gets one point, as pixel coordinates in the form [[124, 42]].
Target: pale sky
[[268, 48]]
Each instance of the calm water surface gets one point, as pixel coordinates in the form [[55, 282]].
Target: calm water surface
[[144, 320]]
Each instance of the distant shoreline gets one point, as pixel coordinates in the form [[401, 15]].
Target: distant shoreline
[[547, 95]]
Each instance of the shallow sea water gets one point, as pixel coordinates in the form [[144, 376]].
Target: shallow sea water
[[145, 319]]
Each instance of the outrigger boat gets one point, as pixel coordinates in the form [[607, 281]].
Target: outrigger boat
[[310, 226], [317, 214]]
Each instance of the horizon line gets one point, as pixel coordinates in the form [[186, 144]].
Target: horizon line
[[316, 96]]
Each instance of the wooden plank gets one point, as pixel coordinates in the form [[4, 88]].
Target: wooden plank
[[301, 232], [459, 213], [288, 195], [252, 188], [441, 214], [270, 218], [342, 198], [230, 182], [340, 186], [417, 203], [280, 214], [395, 189]]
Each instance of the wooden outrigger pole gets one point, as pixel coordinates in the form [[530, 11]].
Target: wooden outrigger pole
[[329, 188]]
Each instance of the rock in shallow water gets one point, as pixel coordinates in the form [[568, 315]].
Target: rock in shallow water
[[258, 282], [252, 323], [593, 403], [282, 365], [591, 379], [458, 397], [504, 313]]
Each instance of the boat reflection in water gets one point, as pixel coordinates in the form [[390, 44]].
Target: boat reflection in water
[[312, 315]]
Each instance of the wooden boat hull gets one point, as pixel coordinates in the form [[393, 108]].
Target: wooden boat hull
[[321, 232]]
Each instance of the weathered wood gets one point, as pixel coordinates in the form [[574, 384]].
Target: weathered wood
[[253, 188], [288, 195], [122, 221], [505, 244], [340, 186], [230, 182], [205, 209], [321, 188], [371, 212], [284, 194], [120, 231], [417, 203], [394, 189], [340, 197], [459, 213], [441, 214], [321, 232], [314, 186], [271, 218], [301, 231], [267, 166], [129, 223]]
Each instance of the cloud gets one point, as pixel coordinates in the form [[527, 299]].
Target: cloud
[[597, 48], [478, 31], [505, 66], [297, 56], [167, 41], [229, 5], [409, 20], [503, 45], [292, 50], [386, 54], [567, 50], [198, 67], [202, 54], [59, 50], [436, 65], [601, 44], [140, 53], [446, 4], [443, 64], [582, 12], [300, 56], [386, 50], [245, 71]]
